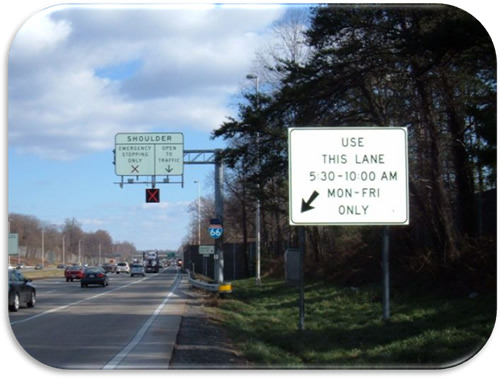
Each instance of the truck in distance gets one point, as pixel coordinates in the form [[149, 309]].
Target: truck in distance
[[151, 261]]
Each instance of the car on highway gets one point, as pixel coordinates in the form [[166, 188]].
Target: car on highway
[[21, 291], [38, 267], [74, 272], [109, 267], [179, 262], [122, 267], [94, 275], [20, 266], [137, 269]]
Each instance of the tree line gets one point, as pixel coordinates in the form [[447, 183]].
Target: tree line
[[429, 68], [64, 243]]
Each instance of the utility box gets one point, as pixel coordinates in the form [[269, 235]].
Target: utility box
[[292, 266]]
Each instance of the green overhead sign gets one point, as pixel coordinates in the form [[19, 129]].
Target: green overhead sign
[[144, 154]]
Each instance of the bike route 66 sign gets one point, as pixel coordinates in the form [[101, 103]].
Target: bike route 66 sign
[[215, 231]]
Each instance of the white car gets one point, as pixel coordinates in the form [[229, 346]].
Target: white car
[[122, 267], [137, 269]]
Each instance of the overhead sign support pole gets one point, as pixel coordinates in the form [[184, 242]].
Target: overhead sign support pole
[[219, 212]]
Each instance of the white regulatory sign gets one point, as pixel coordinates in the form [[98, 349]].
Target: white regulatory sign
[[348, 176], [206, 249], [142, 154]]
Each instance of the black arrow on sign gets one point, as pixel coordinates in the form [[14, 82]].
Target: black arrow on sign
[[306, 206], [169, 169]]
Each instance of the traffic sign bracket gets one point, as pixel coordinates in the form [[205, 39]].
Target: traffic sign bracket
[[191, 157]]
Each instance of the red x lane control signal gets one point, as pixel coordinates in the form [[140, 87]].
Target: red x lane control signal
[[152, 195]]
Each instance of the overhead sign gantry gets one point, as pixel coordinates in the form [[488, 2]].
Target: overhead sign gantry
[[161, 156]]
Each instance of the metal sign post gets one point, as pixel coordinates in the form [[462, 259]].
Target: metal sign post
[[205, 251], [385, 274], [302, 244]]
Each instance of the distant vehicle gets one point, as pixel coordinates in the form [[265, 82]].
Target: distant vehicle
[[109, 267], [74, 272], [179, 262], [60, 265], [122, 267], [39, 267], [151, 261], [20, 266], [94, 275], [21, 291], [137, 269]]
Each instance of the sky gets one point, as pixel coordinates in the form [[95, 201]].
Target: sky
[[80, 74]]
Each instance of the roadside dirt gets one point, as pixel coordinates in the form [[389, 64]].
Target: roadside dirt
[[202, 341]]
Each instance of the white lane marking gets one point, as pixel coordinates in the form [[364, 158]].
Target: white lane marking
[[113, 363], [78, 302]]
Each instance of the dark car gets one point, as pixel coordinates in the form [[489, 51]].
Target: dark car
[[109, 267], [74, 272], [21, 291], [94, 275]]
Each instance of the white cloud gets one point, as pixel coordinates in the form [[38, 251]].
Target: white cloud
[[40, 34], [191, 63]]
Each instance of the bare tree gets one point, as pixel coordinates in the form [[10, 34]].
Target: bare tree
[[288, 44]]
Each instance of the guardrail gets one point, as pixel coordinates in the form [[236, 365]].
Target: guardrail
[[211, 287]]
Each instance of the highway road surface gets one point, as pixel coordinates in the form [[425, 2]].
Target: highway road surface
[[131, 324]]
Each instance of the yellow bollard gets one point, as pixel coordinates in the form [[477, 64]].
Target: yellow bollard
[[225, 288]]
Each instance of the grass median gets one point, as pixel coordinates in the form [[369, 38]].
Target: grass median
[[344, 326], [44, 274]]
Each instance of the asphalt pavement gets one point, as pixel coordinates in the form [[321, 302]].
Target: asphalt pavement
[[131, 324]]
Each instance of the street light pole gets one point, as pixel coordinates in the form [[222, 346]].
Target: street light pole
[[257, 210], [43, 246]]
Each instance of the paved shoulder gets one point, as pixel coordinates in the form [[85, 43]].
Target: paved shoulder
[[202, 342]]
